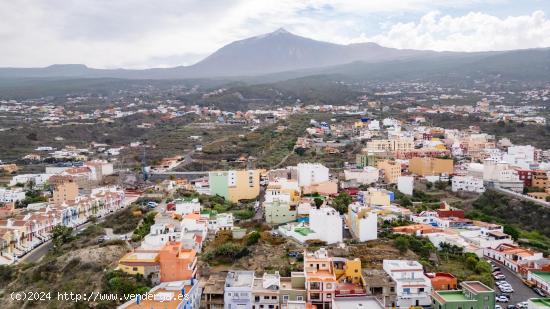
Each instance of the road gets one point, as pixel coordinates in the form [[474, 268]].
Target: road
[[521, 291], [39, 252]]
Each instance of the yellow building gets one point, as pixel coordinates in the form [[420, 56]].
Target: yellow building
[[397, 144], [235, 185], [376, 196], [391, 170], [9, 168], [351, 273], [430, 166], [144, 263]]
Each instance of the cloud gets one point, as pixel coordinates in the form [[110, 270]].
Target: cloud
[[472, 32], [144, 33]]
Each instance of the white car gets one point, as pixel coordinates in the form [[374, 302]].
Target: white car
[[498, 307], [523, 304], [502, 299]]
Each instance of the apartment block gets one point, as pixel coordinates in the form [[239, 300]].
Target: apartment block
[[474, 295], [235, 185], [427, 166], [412, 286]]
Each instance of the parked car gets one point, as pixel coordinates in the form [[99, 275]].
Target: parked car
[[539, 292], [152, 204], [522, 305], [498, 307], [103, 238], [502, 299], [499, 277]]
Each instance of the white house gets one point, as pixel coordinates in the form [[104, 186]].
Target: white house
[[8, 195], [413, 288], [312, 173], [405, 184], [221, 222], [187, 206], [238, 290], [467, 184], [327, 223], [362, 222], [364, 176]]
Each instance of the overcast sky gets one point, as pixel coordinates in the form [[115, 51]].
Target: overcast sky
[[148, 33]]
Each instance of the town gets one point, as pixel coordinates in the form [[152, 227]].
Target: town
[[387, 229]]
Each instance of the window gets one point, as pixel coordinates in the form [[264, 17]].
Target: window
[[285, 298], [299, 298]]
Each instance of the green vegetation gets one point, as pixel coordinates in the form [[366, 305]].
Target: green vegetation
[[224, 249], [126, 220], [145, 227], [449, 258], [244, 214], [61, 235], [528, 219], [31, 196], [341, 202], [119, 282]]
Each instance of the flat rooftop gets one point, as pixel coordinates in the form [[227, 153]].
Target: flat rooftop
[[540, 302], [239, 279], [476, 286], [355, 302], [544, 275], [450, 296]]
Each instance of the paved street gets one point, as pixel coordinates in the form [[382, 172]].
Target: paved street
[[521, 291]]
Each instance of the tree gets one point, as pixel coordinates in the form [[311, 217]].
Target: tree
[[471, 262], [483, 267], [341, 202], [402, 244], [318, 202], [512, 231], [61, 234]]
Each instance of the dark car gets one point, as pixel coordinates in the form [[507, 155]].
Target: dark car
[[539, 291]]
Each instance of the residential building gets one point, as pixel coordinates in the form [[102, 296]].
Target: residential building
[[187, 206], [367, 302], [426, 166], [213, 292], [144, 263], [389, 171], [372, 158], [390, 145], [177, 263], [327, 224], [238, 290], [235, 185], [11, 195], [405, 184], [467, 184], [412, 286], [363, 176], [265, 291], [512, 255], [65, 189], [443, 281], [320, 278], [541, 279], [184, 294], [380, 285], [311, 174], [362, 222], [278, 212], [292, 291], [474, 295]]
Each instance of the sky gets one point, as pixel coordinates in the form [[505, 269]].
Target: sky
[[165, 33]]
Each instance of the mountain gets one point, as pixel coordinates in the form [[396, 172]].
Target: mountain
[[281, 55], [281, 51], [278, 51]]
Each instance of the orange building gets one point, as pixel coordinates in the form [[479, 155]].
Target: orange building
[[416, 229], [443, 281], [65, 189], [177, 263], [430, 166], [390, 170]]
